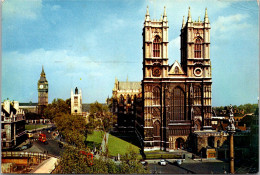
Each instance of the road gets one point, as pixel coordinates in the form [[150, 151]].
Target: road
[[51, 148], [195, 167]]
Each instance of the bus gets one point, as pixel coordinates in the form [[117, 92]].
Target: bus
[[42, 138]]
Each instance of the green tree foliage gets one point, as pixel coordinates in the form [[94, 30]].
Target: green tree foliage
[[72, 127], [72, 161], [130, 163], [57, 107], [100, 117], [32, 116], [248, 108]]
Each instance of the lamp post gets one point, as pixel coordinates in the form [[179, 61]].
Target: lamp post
[[231, 131]]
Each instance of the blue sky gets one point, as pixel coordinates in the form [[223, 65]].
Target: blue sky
[[87, 43]]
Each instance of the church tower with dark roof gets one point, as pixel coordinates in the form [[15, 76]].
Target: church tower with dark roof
[[42, 92]]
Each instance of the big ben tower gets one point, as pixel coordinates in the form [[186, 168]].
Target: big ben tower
[[42, 92]]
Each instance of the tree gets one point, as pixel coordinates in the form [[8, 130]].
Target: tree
[[32, 116], [72, 127], [130, 163], [73, 161], [57, 107], [100, 118]]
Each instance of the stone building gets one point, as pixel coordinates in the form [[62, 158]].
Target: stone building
[[177, 97], [42, 92], [12, 124], [126, 101], [76, 102]]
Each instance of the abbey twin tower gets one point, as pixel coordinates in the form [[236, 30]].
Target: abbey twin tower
[[177, 97]]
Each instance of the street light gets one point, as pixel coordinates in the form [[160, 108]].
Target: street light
[[231, 131]]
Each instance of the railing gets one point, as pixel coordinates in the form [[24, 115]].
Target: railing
[[13, 119], [7, 154]]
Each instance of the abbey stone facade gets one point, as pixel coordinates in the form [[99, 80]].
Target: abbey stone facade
[[177, 97]]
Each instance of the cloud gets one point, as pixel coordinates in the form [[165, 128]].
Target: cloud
[[55, 7], [21, 9], [224, 26], [64, 70]]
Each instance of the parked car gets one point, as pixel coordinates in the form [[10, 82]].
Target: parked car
[[144, 163], [24, 147], [179, 162], [162, 162]]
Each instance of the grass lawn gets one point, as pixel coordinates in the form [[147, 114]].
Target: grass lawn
[[95, 139], [117, 145], [31, 127], [96, 136]]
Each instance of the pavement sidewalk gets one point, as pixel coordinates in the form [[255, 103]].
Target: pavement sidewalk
[[104, 141]]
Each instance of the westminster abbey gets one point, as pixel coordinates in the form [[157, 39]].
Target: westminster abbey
[[177, 97]]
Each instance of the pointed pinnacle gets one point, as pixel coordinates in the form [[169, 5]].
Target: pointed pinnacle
[[161, 18], [183, 22], [206, 19], [199, 19], [164, 13], [206, 13], [147, 11], [189, 16]]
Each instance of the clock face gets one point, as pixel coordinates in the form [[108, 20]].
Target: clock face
[[156, 72], [41, 86]]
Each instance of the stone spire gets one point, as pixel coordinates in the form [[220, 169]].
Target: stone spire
[[164, 14], [199, 19], [116, 85], [189, 16], [206, 19], [147, 15], [43, 73], [161, 18], [183, 22]]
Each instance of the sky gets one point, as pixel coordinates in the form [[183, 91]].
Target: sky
[[87, 43]]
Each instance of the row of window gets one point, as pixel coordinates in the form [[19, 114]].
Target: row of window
[[198, 49]]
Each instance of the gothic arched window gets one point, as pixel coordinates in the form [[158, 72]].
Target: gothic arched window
[[198, 48], [128, 99], [121, 100], [156, 96], [156, 113], [156, 46], [178, 104], [197, 95], [156, 128]]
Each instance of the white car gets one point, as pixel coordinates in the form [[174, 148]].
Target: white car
[[163, 162], [179, 162]]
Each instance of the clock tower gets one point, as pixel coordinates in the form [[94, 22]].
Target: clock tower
[[42, 92]]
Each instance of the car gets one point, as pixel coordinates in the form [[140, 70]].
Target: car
[[24, 147], [179, 162], [162, 162], [144, 163]]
